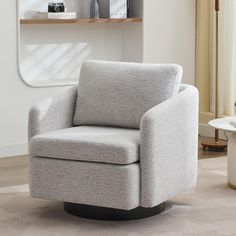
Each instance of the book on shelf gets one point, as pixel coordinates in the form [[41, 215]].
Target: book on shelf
[[49, 15], [119, 9], [62, 15]]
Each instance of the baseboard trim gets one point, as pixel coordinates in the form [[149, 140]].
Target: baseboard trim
[[16, 149], [207, 131]]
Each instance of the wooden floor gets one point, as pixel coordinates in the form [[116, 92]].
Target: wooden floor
[[14, 170]]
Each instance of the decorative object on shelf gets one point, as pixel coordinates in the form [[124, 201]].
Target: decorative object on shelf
[[56, 11], [119, 8], [94, 9], [56, 7], [216, 143]]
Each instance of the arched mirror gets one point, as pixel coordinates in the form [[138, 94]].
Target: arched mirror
[[50, 52]]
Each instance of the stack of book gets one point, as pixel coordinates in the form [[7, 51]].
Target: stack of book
[[49, 15]]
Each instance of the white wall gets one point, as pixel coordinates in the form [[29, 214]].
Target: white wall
[[57, 58], [169, 34]]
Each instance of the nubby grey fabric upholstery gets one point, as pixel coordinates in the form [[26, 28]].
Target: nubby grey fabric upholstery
[[125, 138], [89, 143], [53, 113], [105, 185], [168, 158], [118, 94]]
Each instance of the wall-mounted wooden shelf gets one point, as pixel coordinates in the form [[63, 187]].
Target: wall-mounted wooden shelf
[[79, 21]]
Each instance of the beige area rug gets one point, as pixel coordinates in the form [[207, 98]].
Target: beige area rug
[[209, 211]]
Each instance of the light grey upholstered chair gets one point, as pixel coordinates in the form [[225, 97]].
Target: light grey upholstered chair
[[119, 145]]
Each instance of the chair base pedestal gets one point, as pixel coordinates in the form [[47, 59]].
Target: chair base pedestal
[[102, 213]]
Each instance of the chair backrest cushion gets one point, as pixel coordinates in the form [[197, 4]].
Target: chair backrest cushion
[[119, 93]]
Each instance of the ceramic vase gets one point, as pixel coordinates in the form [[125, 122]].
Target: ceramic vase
[[94, 9]]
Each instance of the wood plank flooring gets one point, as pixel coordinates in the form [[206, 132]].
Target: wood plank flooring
[[13, 171]]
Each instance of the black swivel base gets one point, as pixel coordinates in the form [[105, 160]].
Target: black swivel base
[[102, 213]]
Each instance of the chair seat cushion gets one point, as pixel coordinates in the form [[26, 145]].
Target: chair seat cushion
[[89, 143]]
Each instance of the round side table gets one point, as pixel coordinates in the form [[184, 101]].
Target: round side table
[[229, 124]]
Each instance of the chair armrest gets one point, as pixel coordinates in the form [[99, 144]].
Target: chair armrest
[[52, 113], [168, 148]]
